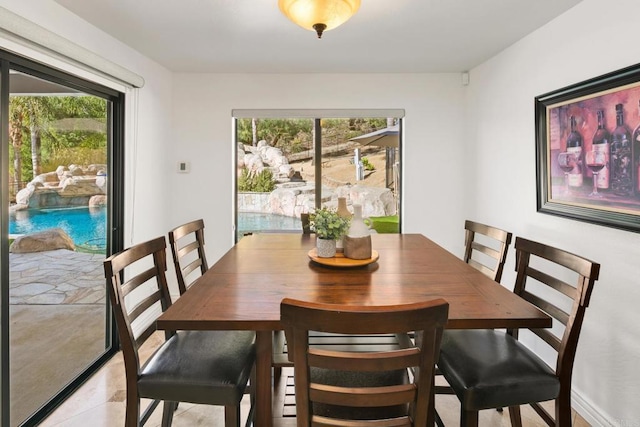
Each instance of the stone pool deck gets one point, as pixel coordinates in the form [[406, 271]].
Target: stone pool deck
[[56, 277]]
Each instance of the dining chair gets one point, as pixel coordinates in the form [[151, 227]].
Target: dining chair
[[204, 367], [490, 368], [187, 248], [347, 388], [489, 254]]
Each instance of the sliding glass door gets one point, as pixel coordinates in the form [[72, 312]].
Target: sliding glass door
[[62, 210], [290, 165]]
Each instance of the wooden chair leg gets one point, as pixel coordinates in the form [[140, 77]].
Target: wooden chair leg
[[232, 416], [468, 418], [514, 415], [132, 416], [563, 409], [167, 413]]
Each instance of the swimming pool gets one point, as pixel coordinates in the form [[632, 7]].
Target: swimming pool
[[87, 227], [252, 222]]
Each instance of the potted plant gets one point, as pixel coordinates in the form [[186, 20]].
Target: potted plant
[[328, 226]]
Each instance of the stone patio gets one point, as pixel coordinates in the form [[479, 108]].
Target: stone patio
[[56, 277]]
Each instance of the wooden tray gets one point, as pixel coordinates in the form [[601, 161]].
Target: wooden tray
[[340, 261]]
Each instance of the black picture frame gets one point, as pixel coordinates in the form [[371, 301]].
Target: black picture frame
[[614, 201]]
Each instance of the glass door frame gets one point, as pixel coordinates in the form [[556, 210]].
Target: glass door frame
[[316, 116], [115, 218]]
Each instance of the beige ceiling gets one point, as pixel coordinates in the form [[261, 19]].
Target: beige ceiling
[[252, 36]]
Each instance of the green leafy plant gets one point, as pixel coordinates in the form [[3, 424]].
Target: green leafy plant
[[327, 224], [368, 166], [262, 182]]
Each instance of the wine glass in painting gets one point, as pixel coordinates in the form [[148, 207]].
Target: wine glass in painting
[[595, 161], [566, 162]]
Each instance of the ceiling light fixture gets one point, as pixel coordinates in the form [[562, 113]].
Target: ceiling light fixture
[[319, 15]]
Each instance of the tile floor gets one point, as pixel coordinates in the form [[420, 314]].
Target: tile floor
[[101, 402]]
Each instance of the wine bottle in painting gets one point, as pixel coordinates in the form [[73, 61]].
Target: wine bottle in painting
[[601, 143], [574, 146], [636, 155], [621, 160]]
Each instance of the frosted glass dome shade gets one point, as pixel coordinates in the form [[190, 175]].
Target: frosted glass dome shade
[[319, 15]]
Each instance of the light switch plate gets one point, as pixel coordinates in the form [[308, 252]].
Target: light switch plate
[[184, 167]]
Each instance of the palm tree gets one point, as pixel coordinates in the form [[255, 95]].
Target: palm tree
[[16, 117]]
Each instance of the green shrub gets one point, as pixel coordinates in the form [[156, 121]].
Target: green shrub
[[262, 182], [368, 166]]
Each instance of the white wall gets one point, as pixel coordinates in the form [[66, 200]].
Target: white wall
[[146, 160], [468, 153], [433, 150], [593, 38]]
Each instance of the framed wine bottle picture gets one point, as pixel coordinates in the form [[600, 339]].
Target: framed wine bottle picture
[[588, 150]]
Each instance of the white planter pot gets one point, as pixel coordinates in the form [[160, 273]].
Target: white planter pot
[[325, 248]]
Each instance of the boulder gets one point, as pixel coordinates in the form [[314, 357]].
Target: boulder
[[76, 170], [253, 162], [101, 182], [23, 196], [95, 201], [79, 187], [47, 240], [273, 156], [48, 177]]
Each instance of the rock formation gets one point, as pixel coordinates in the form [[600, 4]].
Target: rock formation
[[47, 240], [72, 186]]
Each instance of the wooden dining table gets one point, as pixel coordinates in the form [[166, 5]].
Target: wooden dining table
[[243, 291]]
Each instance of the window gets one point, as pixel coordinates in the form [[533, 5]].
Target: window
[[289, 162]]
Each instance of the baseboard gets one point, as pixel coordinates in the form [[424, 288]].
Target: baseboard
[[590, 413]]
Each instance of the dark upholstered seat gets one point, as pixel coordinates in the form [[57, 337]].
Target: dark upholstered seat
[[346, 388], [200, 367], [506, 374], [490, 369], [206, 367]]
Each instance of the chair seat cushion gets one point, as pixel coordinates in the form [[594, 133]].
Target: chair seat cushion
[[206, 367], [359, 379], [490, 369]]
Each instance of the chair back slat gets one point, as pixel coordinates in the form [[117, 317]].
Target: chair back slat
[[557, 284], [362, 397], [144, 335], [144, 305], [427, 319], [187, 248], [495, 253], [482, 268], [330, 422], [548, 337], [586, 272], [580, 265], [549, 308], [374, 361], [191, 267], [137, 280]]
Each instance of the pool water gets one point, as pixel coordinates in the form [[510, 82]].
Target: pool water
[[253, 222], [87, 227]]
